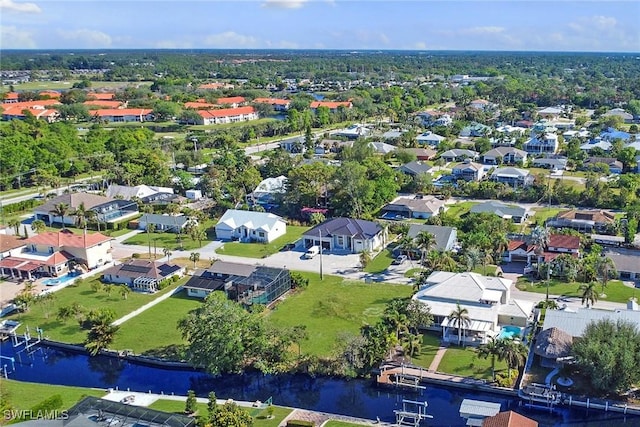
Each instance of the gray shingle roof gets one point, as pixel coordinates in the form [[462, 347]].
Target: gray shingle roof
[[356, 228], [416, 167], [499, 209], [440, 233]]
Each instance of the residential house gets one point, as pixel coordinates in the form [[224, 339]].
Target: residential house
[[10, 245], [10, 98], [267, 193], [111, 105], [434, 118], [141, 275], [346, 235], [596, 143], [248, 284], [412, 207], [331, 105], [511, 131], [415, 168], [278, 104], [458, 155], [508, 419], [101, 96], [123, 115], [54, 253], [487, 300], [353, 131], [227, 115], [574, 322], [476, 130], [164, 223], [382, 147], [627, 263], [115, 191], [422, 153], [480, 104], [523, 249], [446, 238], [553, 162], [293, 145], [107, 209], [430, 138], [250, 226], [513, 177], [215, 86], [551, 113], [611, 134], [614, 165], [590, 221], [39, 109], [619, 112], [200, 105], [583, 133], [515, 213], [231, 102], [504, 156], [468, 171], [393, 135], [541, 144], [520, 250]]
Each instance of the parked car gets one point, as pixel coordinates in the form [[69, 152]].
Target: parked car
[[400, 259], [312, 251]]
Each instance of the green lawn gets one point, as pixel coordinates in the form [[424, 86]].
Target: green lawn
[[43, 315], [261, 250], [430, 345], [380, 263], [259, 416], [465, 362], [413, 272], [615, 291], [542, 214], [340, 424], [170, 240], [488, 270], [459, 209], [24, 395], [334, 306], [162, 319]]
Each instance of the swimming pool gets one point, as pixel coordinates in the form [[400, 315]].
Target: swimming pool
[[510, 332], [59, 280]]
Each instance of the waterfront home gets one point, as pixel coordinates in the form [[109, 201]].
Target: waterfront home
[[589, 221], [53, 253], [574, 322], [278, 104], [249, 284], [141, 275], [487, 299], [346, 235], [107, 209], [509, 419], [513, 177], [250, 226], [552, 344], [468, 171]]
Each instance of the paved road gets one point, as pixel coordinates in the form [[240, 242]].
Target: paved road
[[32, 193]]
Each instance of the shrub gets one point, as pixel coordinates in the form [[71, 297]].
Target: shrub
[[298, 281], [503, 380], [135, 255], [52, 403], [300, 423]]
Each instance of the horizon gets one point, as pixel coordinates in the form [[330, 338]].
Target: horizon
[[433, 26]]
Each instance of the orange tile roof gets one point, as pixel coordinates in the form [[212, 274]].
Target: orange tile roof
[[564, 241], [64, 238], [8, 242], [103, 103], [101, 96], [332, 105], [230, 100], [272, 101], [597, 216], [58, 258], [17, 110], [199, 105], [32, 104], [509, 419], [516, 244], [11, 95], [225, 112], [122, 112]]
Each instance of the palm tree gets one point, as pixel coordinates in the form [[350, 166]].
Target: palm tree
[[92, 218], [61, 209], [150, 228], [124, 291], [424, 242], [195, 257], [406, 245], [605, 268], [514, 352], [80, 216], [446, 262], [38, 226], [472, 258], [15, 223], [412, 344], [459, 317], [493, 349], [365, 259], [486, 259], [167, 252], [589, 293]]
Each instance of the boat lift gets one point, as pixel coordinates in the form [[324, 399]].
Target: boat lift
[[412, 413], [26, 340]]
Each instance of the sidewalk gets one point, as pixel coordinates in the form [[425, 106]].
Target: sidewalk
[[433, 367], [145, 307]]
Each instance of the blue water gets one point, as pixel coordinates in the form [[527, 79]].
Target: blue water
[[357, 398], [59, 280], [509, 332]]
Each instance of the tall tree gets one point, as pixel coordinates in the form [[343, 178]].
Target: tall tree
[[589, 293], [514, 352], [606, 269], [492, 349], [424, 241], [61, 209], [195, 257], [459, 318]]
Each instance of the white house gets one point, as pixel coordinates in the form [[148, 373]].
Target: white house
[[250, 226], [227, 115], [430, 138], [513, 177], [487, 300], [141, 275], [124, 115], [504, 155]]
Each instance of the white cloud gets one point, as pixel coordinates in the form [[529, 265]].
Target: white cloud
[[230, 39], [14, 38], [11, 6], [86, 38], [483, 30], [284, 4]]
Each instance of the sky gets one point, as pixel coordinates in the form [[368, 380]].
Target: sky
[[521, 25]]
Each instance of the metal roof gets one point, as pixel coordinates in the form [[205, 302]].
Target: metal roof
[[575, 322], [479, 408]]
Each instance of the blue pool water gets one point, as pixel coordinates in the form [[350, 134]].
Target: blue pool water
[[59, 280], [509, 332]]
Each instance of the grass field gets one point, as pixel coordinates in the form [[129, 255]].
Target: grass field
[[430, 345], [459, 209], [261, 250], [615, 291], [466, 363], [162, 319], [170, 240], [24, 395], [43, 315], [334, 306], [380, 263], [542, 214]]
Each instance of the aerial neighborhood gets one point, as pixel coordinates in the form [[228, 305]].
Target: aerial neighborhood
[[402, 223]]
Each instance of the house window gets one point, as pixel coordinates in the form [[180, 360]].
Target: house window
[[50, 249], [261, 234], [340, 241]]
